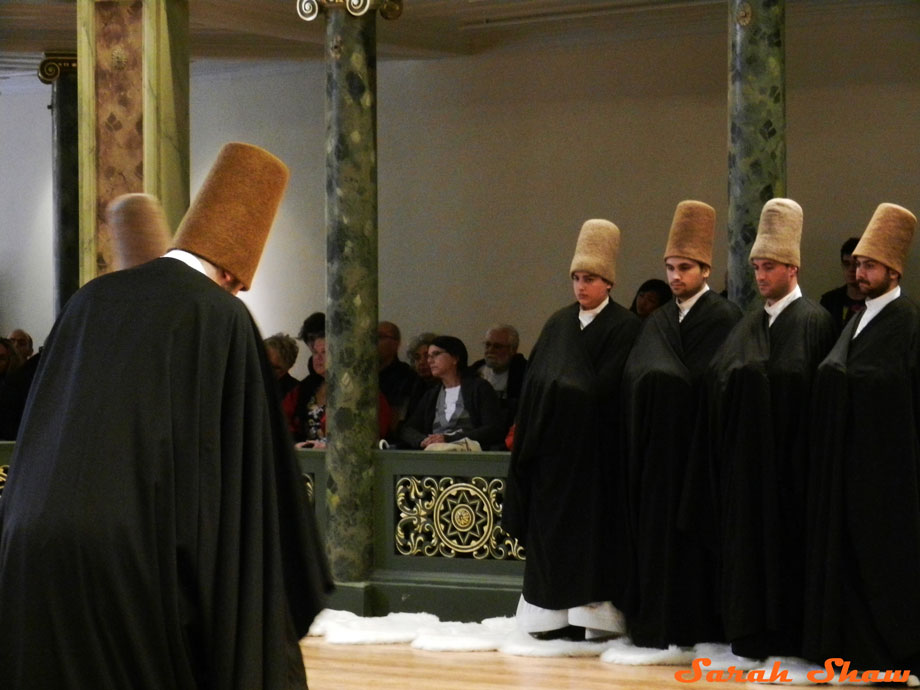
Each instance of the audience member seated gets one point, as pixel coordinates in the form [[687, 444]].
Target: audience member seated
[[314, 326], [14, 387], [653, 293], [281, 350], [845, 301], [417, 356], [305, 404], [22, 341], [462, 406], [503, 367], [399, 383]]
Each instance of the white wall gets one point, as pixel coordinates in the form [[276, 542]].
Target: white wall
[[489, 164], [26, 251]]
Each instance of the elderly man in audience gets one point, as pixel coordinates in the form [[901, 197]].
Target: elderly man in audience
[[23, 343], [503, 366]]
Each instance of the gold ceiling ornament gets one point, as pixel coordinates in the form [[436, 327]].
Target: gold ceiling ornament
[[53, 64], [449, 517], [308, 10]]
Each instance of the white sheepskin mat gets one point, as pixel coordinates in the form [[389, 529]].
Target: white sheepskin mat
[[451, 636], [519, 643], [394, 628], [721, 657], [623, 651], [796, 670], [327, 616]]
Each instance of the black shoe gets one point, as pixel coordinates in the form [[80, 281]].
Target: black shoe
[[574, 633]]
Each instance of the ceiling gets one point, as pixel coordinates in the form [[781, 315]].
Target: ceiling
[[227, 32]]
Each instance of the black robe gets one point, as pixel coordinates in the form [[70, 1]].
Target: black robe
[[863, 562], [671, 598], [155, 530], [562, 496], [762, 380]]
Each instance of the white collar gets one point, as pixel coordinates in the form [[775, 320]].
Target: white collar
[[586, 316], [686, 305], [777, 307], [187, 258], [874, 305]]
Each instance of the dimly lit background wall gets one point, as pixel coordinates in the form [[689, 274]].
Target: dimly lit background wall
[[489, 164]]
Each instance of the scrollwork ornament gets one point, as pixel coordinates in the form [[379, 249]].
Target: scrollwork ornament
[[54, 64], [358, 8], [447, 517], [307, 10], [4, 471]]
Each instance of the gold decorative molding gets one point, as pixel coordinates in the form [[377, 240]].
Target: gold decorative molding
[[4, 472], [310, 481], [308, 10], [54, 64], [449, 517], [745, 14]]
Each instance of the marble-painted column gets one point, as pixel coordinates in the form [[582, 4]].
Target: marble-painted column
[[351, 289], [110, 39], [166, 106], [757, 130], [60, 70]]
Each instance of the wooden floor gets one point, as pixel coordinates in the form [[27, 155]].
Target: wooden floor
[[366, 667]]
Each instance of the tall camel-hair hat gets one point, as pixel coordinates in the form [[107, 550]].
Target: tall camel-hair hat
[[229, 220], [888, 235], [692, 232], [138, 229], [597, 248], [779, 235]]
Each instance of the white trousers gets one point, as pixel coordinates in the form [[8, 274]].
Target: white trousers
[[599, 619]]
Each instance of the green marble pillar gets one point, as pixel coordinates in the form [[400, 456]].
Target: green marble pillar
[[351, 289], [60, 70], [757, 130]]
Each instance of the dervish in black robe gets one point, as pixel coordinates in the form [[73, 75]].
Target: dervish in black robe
[[672, 594], [155, 530], [863, 562], [762, 379], [561, 497]]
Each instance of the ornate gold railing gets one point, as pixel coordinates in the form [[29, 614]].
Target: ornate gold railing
[[310, 480], [449, 517]]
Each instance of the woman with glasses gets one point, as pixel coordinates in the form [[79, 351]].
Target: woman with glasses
[[460, 406]]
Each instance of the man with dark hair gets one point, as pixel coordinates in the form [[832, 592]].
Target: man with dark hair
[[671, 599], [847, 300], [155, 530], [863, 552], [399, 383], [762, 380]]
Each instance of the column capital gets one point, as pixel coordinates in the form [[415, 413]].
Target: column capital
[[54, 64], [308, 10]]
